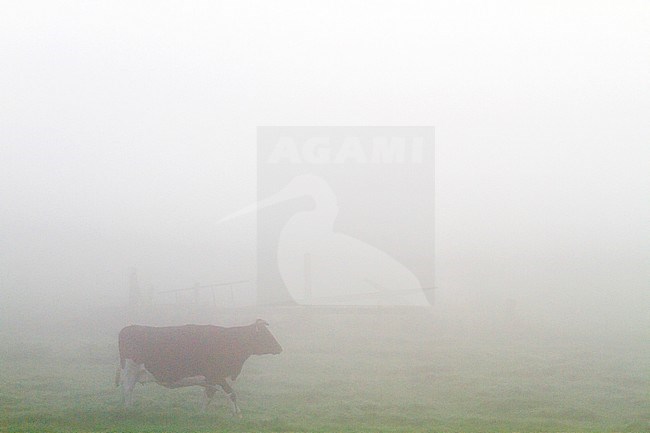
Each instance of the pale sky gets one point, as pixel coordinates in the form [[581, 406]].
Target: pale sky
[[128, 128]]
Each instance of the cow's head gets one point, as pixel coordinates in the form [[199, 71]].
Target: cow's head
[[263, 342]]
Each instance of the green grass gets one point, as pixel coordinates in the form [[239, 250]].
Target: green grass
[[333, 379]]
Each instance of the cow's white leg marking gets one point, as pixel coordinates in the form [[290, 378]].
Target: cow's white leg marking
[[231, 396], [129, 376], [144, 376], [233, 404], [208, 393]]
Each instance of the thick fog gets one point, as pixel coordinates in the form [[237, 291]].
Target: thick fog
[[128, 131]]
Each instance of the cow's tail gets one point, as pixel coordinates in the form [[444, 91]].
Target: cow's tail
[[120, 347], [121, 343], [117, 376]]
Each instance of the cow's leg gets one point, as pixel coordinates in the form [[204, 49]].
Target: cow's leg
[[118, 376], [129, 379], [208, 393], [231, 396]]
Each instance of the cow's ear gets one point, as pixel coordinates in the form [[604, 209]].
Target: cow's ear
[[260, 323]]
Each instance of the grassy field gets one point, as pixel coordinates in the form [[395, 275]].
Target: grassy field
[[376, 373]]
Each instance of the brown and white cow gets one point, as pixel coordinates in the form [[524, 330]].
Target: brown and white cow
[[190, 355]]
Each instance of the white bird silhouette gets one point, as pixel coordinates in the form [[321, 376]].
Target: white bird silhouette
[[322, 267]]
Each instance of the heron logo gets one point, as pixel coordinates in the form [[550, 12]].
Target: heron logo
[[344, 216], [349, 149]]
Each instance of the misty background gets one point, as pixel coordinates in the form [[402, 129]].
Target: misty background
[[127, 130]]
